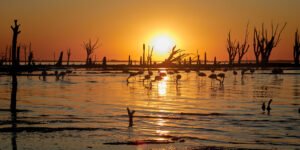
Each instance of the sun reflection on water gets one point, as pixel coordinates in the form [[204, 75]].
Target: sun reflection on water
[[162, 86]]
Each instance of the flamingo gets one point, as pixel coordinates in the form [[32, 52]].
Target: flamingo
[[131, 74], [201, 74], [158, 78], [150, 72], [147, 77], [243, 72], [162, 74], [277, 71], [221, 75], [187, 70], [212, 76], [234, 72], [178, 77]]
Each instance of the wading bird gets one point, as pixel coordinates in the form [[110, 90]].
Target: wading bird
[[178, 77], [131, 74]]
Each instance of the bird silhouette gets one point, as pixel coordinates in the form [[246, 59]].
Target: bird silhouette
[[187, 70], [269, 107], [243, 72], [234, 72], [263, 107], [147, 77], [150, 72], [212, 77], [158, 78], [222, 76], [131, 74], [201, 74], [162, 74], [178, 77]]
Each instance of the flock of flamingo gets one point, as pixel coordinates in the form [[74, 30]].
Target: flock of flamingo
[[219, 77]]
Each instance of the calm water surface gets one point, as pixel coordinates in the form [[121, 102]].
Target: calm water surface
[[88, 109]]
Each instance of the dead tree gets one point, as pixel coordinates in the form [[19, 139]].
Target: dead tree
[[256, 48], [267, 44], [129, 61], [59, 62], [104, 61], [25, 48], [68, 54], [296, 48], [130, 116], [144, 47], [242, 49], [16, 32], [90, 48], [231, 49], [175, 56], [18, 56], [205, 58]]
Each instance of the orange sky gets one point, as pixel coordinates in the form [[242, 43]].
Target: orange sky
[[122, 26]]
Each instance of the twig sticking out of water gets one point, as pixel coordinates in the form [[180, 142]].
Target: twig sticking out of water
[[130, 115]]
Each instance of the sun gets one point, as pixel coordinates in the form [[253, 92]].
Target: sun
[[162, 44]]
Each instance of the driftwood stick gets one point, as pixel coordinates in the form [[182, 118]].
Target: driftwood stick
[[130, 115]]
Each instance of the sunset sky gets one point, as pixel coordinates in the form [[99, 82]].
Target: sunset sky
[[122, 26]]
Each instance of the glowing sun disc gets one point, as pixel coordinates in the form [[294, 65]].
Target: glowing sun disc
[[162, 44]]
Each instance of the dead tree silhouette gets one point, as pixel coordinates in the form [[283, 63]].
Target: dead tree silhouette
[[231, 49], [13, 101], [296, 48], [69, 55], [90, 48], [243, 48], [265, 44], [59, 62]]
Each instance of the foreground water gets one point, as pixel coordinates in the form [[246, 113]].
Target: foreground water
[[87, 110]]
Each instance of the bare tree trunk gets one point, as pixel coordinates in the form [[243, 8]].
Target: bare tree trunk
[[69, 55], [296, 48]]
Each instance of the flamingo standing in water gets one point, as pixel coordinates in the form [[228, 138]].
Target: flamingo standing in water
[[147, 77], [222, 76], [131, 74], [243, 72], [201, 74], [178, 77], [212, 77]]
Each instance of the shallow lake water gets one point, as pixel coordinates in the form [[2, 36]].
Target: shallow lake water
[[87, 110]]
